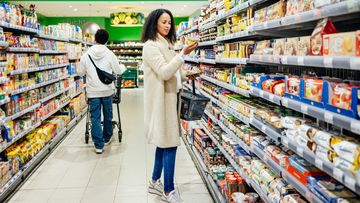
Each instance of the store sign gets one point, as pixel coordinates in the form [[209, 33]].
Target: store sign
[[127, 19]]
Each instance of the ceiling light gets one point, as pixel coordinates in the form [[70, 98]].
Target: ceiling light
[[70, 6], [185, 6], [143, 2], [75, 9]]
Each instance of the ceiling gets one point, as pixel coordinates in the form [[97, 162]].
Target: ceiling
[[104, 8]]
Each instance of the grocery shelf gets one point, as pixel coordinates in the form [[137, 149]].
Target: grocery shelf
[[270, 131], [266, 25], [77, 93], [19, 136], [235, 36], [340, 175], [236, 9], [230, 87], [52, 52], [87, 43], [23, 50], [189, 87], [268, 160], [18, 28], [266, 95], [42, 36], [54, 111], [200, 165], [10, 186], [74, 40], [54, 95], [264, 59], [255, 2], [208, 25], [191, 59], [234, 61], [195, 28], [25, 111], [226, 108], [324, 115], [40, 68], [260, 192], [341, 62], [4, 80], [207, 43], [25, 89], [74, 58], [4, 101], [302, 189], [4, 44]]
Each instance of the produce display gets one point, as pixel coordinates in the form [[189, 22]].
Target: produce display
[[128, 18]]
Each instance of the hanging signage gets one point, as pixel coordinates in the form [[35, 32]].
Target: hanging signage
[[127, 19]]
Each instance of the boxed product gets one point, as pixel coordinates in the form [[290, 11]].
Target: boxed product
[[324, 26], [329, 190], [342, 44], [293, 198], [276, 10], [303, 46], [301, 169], [293, 86], [291, 46], [321, 3], [314, 91], [279, 47]]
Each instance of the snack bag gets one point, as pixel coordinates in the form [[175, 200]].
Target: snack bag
[[313, 89], [324, 26]]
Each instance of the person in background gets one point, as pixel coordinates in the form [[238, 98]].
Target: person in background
[[99, 94], [163, 78]]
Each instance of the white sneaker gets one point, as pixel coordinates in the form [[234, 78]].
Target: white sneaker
[[108, 143], [99, 151], [173, 197], [156, 188]]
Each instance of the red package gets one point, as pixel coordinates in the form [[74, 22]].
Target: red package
[[341, 95], [293, 86], [324, 26], [313, 89]]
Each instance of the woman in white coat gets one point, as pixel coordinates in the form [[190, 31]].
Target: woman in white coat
[[162, 84]]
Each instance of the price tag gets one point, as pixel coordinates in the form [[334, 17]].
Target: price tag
[[350, 182], [265, 24], [300, 61], [261, 93], [300, 151], [309, 196], [271, 97], [338, 174], [352, 6], [317, 13], [297, 17], [284, 60], [304, 109], [319, 163], [329, 117], [355, 126], [285, 102], [285, 142], [328, 62], [354, 63], [263, 128]]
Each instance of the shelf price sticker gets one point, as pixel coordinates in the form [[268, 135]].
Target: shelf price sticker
[[285, 102], [355, 126], [338, 174], [261, 93], [319, 163], [350, 182], [285, 142], [329, 117], [271, 97], [328, 62], [300, 151], [304, 109], [284, 60], [352, 6], [300, 61]]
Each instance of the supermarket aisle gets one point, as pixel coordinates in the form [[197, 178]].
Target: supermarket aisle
[[74, 173]]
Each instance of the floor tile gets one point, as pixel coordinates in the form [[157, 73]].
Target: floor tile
[[130, 199], [99, 194]]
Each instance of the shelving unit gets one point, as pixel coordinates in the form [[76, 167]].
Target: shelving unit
[[31, 164]]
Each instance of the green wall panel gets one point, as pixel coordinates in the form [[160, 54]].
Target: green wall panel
[[116, 33]]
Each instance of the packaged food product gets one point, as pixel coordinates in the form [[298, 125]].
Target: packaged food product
[[276, 10], [292, 122], [325, 154], [307, 131], [303, 46], [293, 198], [301, 169], [279, 89], [340, 44], [291, 46], [305, 143], [350, 151], [321, 3], [293, 86], [313, 89], [260, 15], [340, 95], [346, 165], [329, 190], [324, 26], [279, 47]]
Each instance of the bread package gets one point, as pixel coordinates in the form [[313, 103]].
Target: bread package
[[325, 154], [303, 46], [279, 47], [349, 151], [340, 44], [291, 46], [324, 26], [307, 131]]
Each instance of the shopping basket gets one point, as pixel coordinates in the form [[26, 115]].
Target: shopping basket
[[116, 100], [192, 104]]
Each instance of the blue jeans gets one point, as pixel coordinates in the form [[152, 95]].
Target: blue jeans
[[99, 135], [165, 159]]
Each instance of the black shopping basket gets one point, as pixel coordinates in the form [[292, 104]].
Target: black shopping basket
[[192, 105]]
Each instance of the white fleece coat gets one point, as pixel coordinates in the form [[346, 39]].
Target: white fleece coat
[[160, 64], [106, 61]]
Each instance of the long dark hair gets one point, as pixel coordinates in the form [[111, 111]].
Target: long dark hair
[[150, 31]]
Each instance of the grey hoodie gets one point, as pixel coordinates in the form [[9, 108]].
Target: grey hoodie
[[106, 61]]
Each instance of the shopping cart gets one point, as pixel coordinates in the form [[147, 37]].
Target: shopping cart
[[116, 100]]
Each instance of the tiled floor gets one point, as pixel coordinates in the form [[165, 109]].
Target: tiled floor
[[74, 173]]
